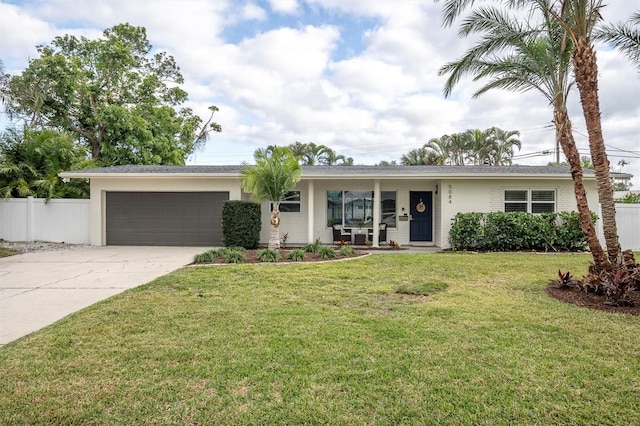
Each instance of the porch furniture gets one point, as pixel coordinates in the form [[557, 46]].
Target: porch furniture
[[360, 239], [382, 234], [341, 234]]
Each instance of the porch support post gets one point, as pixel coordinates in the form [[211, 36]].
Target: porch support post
[[310, 211], [376, 213]]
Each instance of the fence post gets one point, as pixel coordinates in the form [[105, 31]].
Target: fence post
[[29, 218]]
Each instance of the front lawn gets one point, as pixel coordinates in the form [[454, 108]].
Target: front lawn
[[334, 343]]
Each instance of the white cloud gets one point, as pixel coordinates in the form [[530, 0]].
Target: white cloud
[[284, 6], [252, 11]]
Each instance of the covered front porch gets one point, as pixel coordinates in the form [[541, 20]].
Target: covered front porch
[[368, 212]]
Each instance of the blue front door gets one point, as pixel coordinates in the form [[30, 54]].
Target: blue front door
[[422, 215]]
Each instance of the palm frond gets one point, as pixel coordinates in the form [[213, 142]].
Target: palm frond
[[625, 37]]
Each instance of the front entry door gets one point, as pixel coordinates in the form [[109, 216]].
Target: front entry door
[[422, 215]]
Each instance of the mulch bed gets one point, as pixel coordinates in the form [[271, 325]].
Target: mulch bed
[[251, 256], [593, 301]]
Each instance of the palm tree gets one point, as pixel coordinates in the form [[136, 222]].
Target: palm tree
[[458, 147], [441, 148], [625, 37], [32, 160], [419, 157], [330, 158], [517, 57], [503, 143], [312, 154], [481, 146], [274, 175], [578, 18]]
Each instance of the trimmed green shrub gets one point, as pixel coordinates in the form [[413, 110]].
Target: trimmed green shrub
[[327, 252], [268, 255], [467, 232], [206, 257], [312, 247], [499, 231], [241, 224], [296, 255], [346, 251], [234, 256]]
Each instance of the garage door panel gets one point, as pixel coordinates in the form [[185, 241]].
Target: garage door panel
[[165, 218]]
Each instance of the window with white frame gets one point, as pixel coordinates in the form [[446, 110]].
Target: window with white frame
[[290, 203], [530, 200]]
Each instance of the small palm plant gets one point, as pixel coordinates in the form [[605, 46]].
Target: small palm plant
[[275, 174]]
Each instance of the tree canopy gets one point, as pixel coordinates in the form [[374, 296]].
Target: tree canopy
[[31, 160], [311, 154], [492, 146], [116, 97]]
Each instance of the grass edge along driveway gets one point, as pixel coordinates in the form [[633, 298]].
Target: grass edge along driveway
[[333, 343]]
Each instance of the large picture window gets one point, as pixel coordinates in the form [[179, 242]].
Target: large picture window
[[355, 208], [530, 200]]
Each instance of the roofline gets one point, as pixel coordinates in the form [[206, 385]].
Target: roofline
[[89, 175], [442, 176], [337, 173], [311, 176]]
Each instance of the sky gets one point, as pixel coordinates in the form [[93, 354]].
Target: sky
[[359, 76]]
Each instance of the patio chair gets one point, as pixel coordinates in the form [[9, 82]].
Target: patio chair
[[341, 234], [382, 236]]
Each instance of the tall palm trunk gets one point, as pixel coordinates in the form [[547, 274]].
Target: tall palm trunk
[[564, 136], [274, 235], [586, 73]]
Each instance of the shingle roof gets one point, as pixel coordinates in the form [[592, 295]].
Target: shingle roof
[[326, 172], [134, 169]]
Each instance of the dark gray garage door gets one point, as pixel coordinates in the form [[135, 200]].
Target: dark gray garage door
[[165, 218]]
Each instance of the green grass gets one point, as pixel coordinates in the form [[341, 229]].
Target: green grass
[[334, 343], [5, 252]]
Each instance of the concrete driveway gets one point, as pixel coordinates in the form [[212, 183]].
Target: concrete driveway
[[38, 289]]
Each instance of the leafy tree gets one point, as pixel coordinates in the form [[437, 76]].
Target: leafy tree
[[275, 173], [586, 162], [113, 94], [32, 159], [630, 198]]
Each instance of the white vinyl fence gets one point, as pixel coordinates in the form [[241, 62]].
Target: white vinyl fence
[[628, 221], [31, 219]]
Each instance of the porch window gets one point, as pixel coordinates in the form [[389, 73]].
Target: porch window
[[355, 208], [529, 200], [291, 203], [388, 208]]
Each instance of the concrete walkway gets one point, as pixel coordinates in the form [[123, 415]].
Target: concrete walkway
[[38, 289]]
